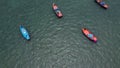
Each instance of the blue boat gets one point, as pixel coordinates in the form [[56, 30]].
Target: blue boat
[[24, 33]]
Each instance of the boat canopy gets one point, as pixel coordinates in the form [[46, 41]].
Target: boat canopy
[[90, 35]]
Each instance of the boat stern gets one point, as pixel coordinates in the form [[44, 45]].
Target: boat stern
[[106, 6], [27, 37], [95, 39]]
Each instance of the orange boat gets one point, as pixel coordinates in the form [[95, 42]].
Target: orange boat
[[57, 10], [102, 3], [89, 35]]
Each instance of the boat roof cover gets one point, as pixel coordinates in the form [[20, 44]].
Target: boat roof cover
[[90, 35]]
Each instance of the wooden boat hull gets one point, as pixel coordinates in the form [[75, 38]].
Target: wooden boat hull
[[57, 10], [89, 35]]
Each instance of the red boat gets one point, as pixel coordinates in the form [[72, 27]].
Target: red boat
[[89, 35], [102, 3], [57, 10]]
